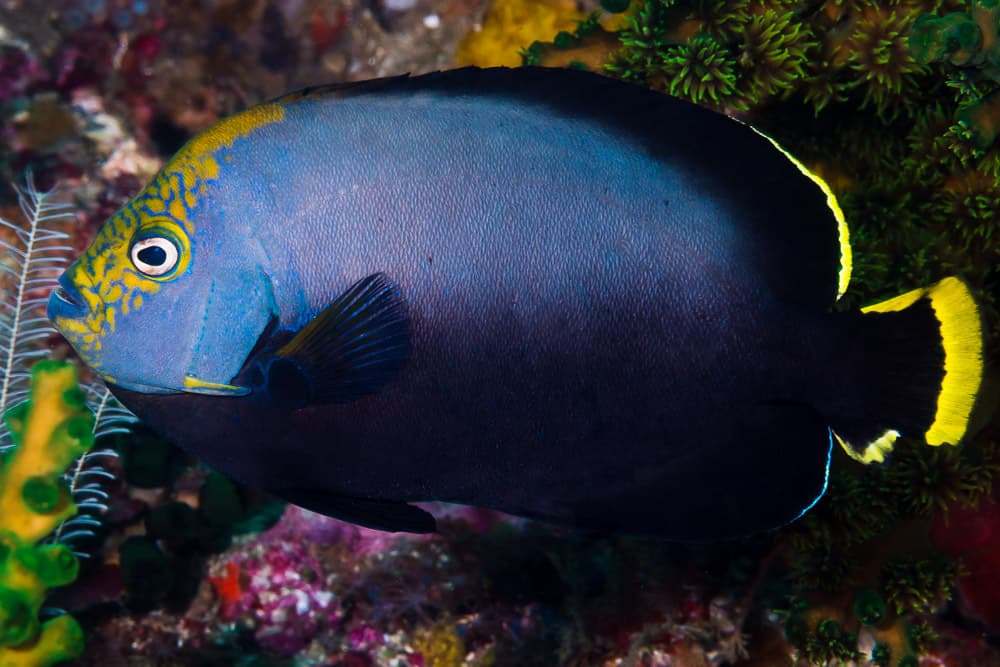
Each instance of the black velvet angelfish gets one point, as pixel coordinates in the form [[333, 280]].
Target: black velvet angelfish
[[545, 292]]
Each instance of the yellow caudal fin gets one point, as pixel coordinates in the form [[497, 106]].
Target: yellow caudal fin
[[961, 337]]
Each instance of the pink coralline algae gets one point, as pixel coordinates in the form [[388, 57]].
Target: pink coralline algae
[[279, 589], [298, 523], [19, 69], [972, 535]]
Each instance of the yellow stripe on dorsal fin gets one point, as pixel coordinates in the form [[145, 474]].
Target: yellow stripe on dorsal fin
[[962, 340], [843, 232]]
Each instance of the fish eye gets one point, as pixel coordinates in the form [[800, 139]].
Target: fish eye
[[154, 255]]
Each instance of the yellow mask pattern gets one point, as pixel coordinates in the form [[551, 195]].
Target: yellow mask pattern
[[105, 276]]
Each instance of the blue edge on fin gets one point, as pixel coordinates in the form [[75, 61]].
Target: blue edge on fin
[[826, 480]]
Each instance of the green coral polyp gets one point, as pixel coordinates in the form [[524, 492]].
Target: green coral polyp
[[921, 587], [954, 37], [57, 566], [881, 55], [17, 623], [774, 54], [702, 71], [881, 655], [565, 40], [42, 494], [869, 608], [15, 419], [720, 18], [76, 434], [981, 121], [830, 643]]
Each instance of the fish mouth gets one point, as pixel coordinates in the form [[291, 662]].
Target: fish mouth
[[66, 300]]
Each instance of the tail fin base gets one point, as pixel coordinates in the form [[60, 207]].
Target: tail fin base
[[962, 339]]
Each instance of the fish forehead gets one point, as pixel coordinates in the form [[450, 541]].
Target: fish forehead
[[178, 189]]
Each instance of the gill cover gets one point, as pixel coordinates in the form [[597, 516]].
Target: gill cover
[[168, 298]]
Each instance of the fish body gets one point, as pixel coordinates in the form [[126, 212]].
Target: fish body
[[544, 292]]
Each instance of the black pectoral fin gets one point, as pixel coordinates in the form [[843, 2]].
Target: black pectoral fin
[[354, 347], [378, 514]]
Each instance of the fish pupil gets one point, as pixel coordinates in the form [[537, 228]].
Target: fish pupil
[[153, 255]]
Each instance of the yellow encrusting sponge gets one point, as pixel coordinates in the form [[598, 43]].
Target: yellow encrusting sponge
[[962, 339], [50, 431]]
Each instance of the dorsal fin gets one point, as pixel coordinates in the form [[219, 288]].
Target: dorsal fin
[[394, 516], [339, 88], [843, 232]]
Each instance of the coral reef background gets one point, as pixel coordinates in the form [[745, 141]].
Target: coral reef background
[[894, 103]]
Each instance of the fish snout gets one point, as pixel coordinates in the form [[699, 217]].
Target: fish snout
[[66, 302]]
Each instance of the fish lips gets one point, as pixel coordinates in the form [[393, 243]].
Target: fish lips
[[66, 302]]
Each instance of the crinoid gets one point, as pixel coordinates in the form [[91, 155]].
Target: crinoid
[[35, 253]]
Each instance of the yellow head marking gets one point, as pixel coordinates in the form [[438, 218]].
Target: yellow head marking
[[105, 275], [184, 180]]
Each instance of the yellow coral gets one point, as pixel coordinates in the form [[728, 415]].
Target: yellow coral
[[50, 431], [60, 639], [591, 51], [50, 435], [513, 25], [441, 646]]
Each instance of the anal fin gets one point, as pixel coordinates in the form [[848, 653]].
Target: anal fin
[[394, 516], [759, 466]]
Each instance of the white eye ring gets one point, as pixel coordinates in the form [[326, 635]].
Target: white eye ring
[[168, 254]]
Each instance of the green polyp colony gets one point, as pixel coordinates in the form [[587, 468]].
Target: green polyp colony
[[895, 105], [50, 431], [918, 587], [862, 559], [869, 608], [830, 643], [41, 494]]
